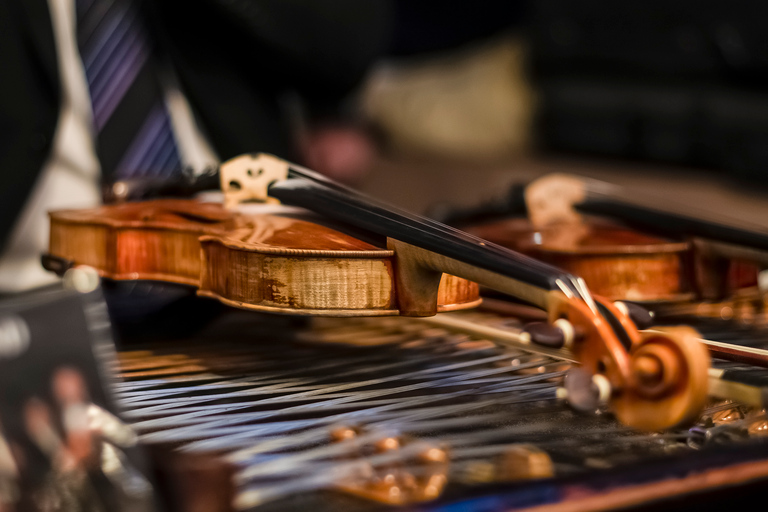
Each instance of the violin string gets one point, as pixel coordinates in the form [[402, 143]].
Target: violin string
[[483, 325], [328, 200], [598, 190]]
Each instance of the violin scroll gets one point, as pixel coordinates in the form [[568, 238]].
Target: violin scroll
[[654, 379], [670, 380]]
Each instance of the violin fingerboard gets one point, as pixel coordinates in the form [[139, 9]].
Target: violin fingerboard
[[346, 205]]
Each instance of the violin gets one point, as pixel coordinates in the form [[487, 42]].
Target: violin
[[653, 380], [726, 254], [573, 223], [258, 261], [616, 262]]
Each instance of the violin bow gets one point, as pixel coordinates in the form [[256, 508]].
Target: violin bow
[[653, 380]]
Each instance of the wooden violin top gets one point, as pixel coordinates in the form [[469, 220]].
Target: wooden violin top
[[588, 238], [282, 263]]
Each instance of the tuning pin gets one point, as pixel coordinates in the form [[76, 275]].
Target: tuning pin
[[641, 317]]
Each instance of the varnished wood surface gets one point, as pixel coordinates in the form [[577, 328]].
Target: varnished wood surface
[[265, 262], [616, 262], [595, 237]]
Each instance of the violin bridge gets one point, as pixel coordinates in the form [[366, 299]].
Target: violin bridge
[[246, 178], [551, 200], [399, 471]]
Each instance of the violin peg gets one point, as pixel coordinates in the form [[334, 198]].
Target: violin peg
[[585, 392], [545, 334], [641, 317]]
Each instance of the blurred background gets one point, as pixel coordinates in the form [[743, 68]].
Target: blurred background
[[666, 96]]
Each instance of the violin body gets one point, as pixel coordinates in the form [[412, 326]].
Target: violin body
[[621, 263], [616, 262], [263, 262]]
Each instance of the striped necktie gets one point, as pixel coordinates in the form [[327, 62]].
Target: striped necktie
[[134, 137]]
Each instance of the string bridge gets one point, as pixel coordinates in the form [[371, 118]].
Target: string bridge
[[396, 470]]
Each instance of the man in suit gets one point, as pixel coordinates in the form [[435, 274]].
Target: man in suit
[[228, 67]]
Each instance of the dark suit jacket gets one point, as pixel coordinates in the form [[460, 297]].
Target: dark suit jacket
[[235, 60]]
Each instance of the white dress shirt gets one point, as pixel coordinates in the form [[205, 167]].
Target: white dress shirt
[[70, 177]]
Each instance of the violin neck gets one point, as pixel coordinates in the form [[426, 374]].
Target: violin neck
[[310, 190], [670, 218]]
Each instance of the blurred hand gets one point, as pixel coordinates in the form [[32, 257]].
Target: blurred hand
[[341, 152]]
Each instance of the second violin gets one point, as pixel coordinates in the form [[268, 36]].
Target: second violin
[[566, 220]]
